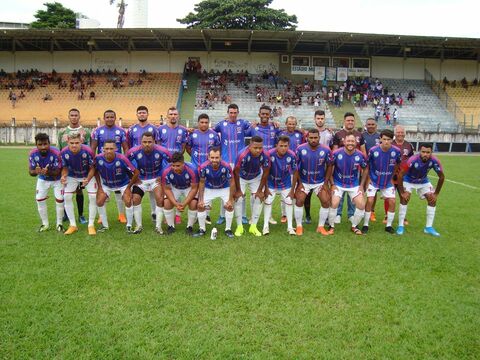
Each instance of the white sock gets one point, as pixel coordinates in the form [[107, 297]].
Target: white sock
[[153, 202], [42, 211], [366, 218], [59, 208], [289, 214], [70, 210], [103, 214], [322, 216], [298, 211], [332, 214], [192, 216], [120, 203], [390, 217], [430, 215], [357, 217], [256, 211], [202, 216], [92, 209], [129, 215], [267, 213], [159, 213], [284, 210], [222, 209], [228, 220], [238, 210], [137, 214], [402, 213], [169, 216]]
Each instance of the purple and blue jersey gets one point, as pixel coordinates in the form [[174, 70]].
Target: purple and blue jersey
[[78, 164], [382, 165], [51, 159], [216, 178], [200, 143], [251, 166], [116, 173], [232, 136], [281, 169], [312, 163], [181, 181], [268, 133], [296, 138], [347, 169], [418, 170], [150, 164], [371, 140], [172, 139], [104, 133], [135, 133]]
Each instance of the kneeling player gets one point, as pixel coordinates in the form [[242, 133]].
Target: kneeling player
[[344, 173], [216, 181], [383, 162], [414, 177], [180, 180], [283, 164], [45, 162], [114, 173]]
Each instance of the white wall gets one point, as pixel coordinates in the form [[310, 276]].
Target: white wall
[[6, 61], [458, 69], [67, 61], [385, 67], [41, 60]]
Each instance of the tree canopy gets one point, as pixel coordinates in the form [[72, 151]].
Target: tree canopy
[[56, 16], [238, 14]]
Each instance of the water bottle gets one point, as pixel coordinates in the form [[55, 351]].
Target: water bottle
[[213, 234]]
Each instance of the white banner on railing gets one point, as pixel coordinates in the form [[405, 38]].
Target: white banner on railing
[[303, 70], [319, 73], [331, 73], [342, 74]]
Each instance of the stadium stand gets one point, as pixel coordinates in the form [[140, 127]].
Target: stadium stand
[[468, 100]]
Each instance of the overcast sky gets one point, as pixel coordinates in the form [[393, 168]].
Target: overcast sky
[[455, 18]]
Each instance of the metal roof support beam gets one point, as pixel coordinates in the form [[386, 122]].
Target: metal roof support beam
[[166, 44], [292, 43], [207, 40], [131, 45]]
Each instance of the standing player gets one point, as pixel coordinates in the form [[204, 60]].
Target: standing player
[[201, 140], [114, 172], [62, 142], [150, 160], [372, 138], [216, 181], [248, 173], [267, 131], [313, 159], [78, 171], [283, 164], [383, 161], [180, 180], [46, 163], [414, 177], [348, 166], [100, 135], [232, 135]]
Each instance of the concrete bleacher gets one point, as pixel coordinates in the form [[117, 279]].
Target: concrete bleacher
[[249, 106], [158, 92], [426, 114], [468, 100]]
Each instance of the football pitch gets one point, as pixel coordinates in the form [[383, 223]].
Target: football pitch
[[119, 296]]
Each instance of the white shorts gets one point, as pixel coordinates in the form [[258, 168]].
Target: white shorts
[[421, 189], [180, 193], [148, 185], [283, 193], [388, 193], [212, 194], [73, 183], [252, 184], [44, 185], [352, 192], [108, 190], [315, 187]]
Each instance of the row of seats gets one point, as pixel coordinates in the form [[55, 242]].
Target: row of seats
[[469, 102]]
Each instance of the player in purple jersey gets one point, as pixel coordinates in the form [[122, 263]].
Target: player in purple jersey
[[232, 135], [283, 164], [172, 136], [348, 166], [180, 182], [413, 176], [114, 172], [372, 138], [313, 160], [150, 160], [248, 173], [265, 129], [383, 161], [216, 181], [201, 140], [78, 170], [45, 163]]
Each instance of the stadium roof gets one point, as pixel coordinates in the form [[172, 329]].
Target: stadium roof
[[311, 42]]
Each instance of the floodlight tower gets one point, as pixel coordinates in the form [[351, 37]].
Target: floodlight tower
[[139, 11]]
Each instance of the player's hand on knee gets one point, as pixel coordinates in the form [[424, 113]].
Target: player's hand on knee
[[238, 194], [228, 205]]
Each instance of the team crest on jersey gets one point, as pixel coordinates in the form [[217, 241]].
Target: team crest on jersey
[[297, 135], [194, 135], [207, 171], [210, 136], [340, 156], [248, 158], [416, 165], [117, 164], [100, 162], [51, 158], [180, 131], [102, 131], [430, 163], [223, 170], [187, 176], [37, 158], [273, 158], [357, 158], [135, 129], [66, 157], [289, 159], [376, 154], [322, 153], [164, 131], [304, 171], [304, 152], [84, 155], [238, 122], [139, 156], [256, 129], [171, 176], [393, 153], [239, 130], [225, 123], [117, 132], [225, 142], [150, 129]]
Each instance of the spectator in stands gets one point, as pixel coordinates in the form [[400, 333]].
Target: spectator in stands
[[464, 83], [47, 97], [395, 116], [475, 82], [81, 95], [13, 99], [92, 95], [411, 96]]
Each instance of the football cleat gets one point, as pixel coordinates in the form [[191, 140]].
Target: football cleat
[[44, 228], [365, 229], [245, 220], [82, 220], [389, 230], [254, 231], [431, 231], [373, 218], [239, 231], [229, 233], [322, 230], [122, 218], [284, 219], [102, 229], [308, 220], [170, 230], [265, 231], [200, 233], [158, 230], [292, 232], [138, 230], [220, 220], [60, 228], [208, 221], [71, 230], [400, 230], [189, 231], [299, 230]]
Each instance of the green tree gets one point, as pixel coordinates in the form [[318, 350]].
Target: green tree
[[238, 14], [56, 16]]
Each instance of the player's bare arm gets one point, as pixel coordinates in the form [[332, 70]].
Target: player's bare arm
[[237, 189], [201, 192], [63, 178], [191, 194]]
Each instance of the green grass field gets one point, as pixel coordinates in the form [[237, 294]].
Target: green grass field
[[118, 296]]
